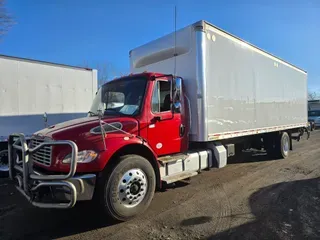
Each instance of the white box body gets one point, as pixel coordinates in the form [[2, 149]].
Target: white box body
[[235, 89]]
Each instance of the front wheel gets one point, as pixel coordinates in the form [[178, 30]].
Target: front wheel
[[129, 188]]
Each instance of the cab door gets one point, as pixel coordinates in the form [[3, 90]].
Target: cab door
[[167, 127]]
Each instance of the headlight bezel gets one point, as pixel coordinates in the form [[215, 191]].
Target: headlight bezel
[[84, 156]]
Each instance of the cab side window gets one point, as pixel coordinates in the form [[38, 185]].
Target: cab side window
[[161, 97]]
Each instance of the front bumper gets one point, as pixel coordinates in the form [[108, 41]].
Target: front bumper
[[47, 190]]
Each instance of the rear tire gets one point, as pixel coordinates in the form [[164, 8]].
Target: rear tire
[[278, 145], [282, 146], [127, 189]]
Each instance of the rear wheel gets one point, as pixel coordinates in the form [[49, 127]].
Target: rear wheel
[[129, 188], [277, 145], [283, 145]]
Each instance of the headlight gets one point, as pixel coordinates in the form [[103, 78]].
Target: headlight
[[85, 156]]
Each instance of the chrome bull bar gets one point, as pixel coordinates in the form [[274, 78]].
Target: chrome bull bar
[[31, 181]]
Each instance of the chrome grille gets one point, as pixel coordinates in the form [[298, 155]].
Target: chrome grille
[[42, 156]]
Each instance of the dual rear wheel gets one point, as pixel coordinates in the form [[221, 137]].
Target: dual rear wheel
[[278, 145]]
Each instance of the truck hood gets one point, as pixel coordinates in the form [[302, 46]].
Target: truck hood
[[74, 128]]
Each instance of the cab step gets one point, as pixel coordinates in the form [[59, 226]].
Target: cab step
[[172, 158], [179, 176], [176, 167]]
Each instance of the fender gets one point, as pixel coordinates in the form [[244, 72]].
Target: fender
[[134, 145]]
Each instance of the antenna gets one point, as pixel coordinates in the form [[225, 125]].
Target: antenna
[[175, 40]]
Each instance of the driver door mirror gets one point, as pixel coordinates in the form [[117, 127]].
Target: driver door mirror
[[45, 119], [100, 110], [176, 99]]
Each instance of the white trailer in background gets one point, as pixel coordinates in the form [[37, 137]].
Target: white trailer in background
[[30, 88]]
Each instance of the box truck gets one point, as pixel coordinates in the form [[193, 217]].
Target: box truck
[[195, 97], [30, 88]]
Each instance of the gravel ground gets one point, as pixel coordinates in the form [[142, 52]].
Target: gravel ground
[[252, 198]]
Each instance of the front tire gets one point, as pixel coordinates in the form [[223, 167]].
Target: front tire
[[129, 188]]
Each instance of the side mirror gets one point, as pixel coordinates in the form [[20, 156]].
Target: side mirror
[[176, 95], [177, 107], [100, 111], [45, 119]]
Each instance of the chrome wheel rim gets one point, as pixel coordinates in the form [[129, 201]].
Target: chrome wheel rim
[[132, 187], [4, 166], [286, 145]]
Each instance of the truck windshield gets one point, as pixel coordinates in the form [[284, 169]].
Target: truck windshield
[[122, 97]]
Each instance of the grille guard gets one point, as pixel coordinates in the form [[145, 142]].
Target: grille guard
[[18, 142]]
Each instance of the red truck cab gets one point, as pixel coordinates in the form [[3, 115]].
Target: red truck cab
[[113, 153]]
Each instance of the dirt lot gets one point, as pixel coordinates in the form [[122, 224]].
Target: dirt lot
[[252, 198]]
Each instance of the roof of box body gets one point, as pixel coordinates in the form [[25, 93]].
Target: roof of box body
[[203, 23]]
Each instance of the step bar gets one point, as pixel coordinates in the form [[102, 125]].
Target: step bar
[[181, 166]]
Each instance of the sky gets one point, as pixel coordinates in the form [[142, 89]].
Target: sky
[[100, 33]]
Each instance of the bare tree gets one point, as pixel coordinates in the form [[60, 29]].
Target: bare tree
[[6, 20], [312, 95], [106, 71]]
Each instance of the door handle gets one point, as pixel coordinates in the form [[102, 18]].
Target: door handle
[[157, 118], [182, 130]]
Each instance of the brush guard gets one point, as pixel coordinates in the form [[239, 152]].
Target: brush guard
[[29, 182]]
